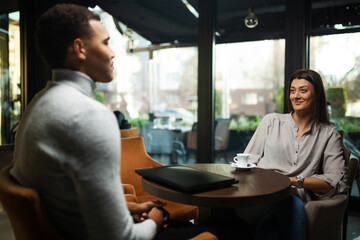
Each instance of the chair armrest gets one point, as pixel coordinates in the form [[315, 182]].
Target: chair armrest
[[204, 236], [179, 147], [131, 198], [128, 189], [321, 213]]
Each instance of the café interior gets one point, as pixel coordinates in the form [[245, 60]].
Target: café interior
[[193, 78]]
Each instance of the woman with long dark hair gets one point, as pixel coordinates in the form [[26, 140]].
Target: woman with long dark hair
[[302, 145]]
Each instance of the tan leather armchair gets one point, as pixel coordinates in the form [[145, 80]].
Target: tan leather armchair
[[133, 156], [28, 217], [327, 218]]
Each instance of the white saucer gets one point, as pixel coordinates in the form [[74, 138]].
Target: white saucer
[[248, 167]]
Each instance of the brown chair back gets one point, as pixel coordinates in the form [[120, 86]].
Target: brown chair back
[[26, 213], [222, 134], [133, 156], [130, 132], [191, 141]]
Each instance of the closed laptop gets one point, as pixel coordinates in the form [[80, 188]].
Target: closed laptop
[[186, 179]]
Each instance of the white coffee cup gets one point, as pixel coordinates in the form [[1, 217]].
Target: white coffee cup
[[241, 159]]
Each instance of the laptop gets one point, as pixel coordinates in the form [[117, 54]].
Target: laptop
[[186, 179]]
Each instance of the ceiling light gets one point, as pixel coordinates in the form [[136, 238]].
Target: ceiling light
[[342, 27], [251, 20], [190, 8]]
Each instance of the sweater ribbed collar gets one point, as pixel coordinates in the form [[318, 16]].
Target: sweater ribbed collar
[[78, 80]]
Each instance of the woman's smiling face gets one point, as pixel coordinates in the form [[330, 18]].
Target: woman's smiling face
[[302, 95]]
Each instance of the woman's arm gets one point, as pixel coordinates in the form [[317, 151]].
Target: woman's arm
[[313, 184], [333, 168]]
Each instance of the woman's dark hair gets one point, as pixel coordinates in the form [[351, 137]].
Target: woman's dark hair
[[58, 27], [320, 105]]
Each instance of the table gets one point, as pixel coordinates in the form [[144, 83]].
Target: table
[[255, 187]]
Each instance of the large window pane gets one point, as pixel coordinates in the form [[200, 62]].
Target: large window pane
[[337, 59], [155, 87], [10, 75], [249, 84]]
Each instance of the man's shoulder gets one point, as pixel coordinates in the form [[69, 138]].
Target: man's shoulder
[[62, 97], [65, 107]]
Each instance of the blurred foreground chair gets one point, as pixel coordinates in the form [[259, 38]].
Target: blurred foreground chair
[[204, 236], [23, 206], [6, 155], [327, 218], [133, 156], [27, 215]]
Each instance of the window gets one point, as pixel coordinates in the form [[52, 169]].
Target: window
[[249, 84], [249, 98], [10, 74], [156, 89], [337, 59]]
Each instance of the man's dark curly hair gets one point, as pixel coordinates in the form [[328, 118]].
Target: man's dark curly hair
[[58, 27]]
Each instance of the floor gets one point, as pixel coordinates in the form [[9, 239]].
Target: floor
[[5, 227], [353, 231]]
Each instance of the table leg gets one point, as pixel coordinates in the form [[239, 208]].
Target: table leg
[[204, 215]]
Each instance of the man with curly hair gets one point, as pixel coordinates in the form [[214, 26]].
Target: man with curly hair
[[67, 145]]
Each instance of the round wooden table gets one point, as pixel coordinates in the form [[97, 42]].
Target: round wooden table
[[255, 187]]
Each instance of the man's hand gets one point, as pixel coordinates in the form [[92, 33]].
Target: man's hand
[[160, 216], [140, 211]]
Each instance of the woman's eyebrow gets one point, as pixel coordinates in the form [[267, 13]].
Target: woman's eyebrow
[[299, 87]]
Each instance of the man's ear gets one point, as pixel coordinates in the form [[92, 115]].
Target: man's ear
[[79, 48]]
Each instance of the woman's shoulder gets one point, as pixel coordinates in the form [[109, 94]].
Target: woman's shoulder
[[328, 127], [328, 130], [277, 116]]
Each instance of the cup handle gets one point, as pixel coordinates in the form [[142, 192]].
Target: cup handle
[[235, 159]]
